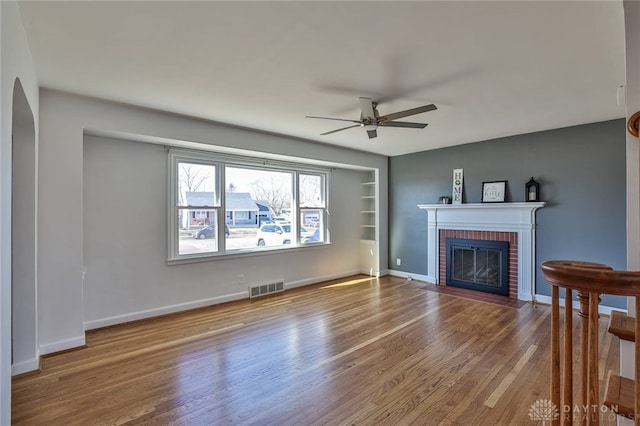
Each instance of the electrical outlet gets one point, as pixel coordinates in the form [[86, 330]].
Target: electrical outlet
[[398, 262], [241, 279]]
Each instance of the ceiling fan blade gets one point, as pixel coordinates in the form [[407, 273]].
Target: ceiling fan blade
[[336, 119], [412, 111], [366, 105], [403, 124], [372, 134], [339, 130]]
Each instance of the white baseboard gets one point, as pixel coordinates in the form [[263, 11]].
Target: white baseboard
[[409, 275], [26, 366], [315, 280], [602, 309], [62, 345], [149, 313], [369, 272]]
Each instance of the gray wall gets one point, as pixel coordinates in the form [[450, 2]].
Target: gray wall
[[581, 171]]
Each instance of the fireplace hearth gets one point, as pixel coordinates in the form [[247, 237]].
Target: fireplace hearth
[[479, 265]]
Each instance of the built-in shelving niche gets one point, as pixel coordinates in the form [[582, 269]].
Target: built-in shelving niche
[[368, 211], [369, 262]]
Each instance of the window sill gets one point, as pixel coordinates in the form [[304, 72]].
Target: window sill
[[243, 254]]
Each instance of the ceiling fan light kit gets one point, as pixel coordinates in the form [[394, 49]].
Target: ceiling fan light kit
[[370, 119]]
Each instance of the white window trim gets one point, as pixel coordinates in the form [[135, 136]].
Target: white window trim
[[324, 207], [174, 158], [221, 161]]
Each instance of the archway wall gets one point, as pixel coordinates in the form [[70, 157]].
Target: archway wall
[[15, 63], [25, 353]]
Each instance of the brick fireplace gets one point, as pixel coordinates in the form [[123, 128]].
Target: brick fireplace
[[512, 222], [510, 237]]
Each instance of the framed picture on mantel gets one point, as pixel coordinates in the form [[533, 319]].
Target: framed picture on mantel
[[494, 192]]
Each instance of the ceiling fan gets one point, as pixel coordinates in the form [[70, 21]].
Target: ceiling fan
[[370, 119]]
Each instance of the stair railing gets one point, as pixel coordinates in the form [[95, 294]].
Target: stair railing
[[589, 280]]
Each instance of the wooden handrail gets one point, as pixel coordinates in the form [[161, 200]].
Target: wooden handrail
[[634, 124], [591, 277], [590, 280]]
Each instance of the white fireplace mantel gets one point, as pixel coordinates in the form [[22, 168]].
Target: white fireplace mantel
[[501, 217]]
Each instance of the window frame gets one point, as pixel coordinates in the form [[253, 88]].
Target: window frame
[[322, 206], [176, 157], [221, 162]]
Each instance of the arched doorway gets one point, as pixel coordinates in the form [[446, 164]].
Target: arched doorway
[[24, 322]]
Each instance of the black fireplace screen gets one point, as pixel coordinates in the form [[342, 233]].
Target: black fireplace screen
[[478, 265]]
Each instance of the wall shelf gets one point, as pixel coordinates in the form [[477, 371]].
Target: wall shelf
[[368, 207]]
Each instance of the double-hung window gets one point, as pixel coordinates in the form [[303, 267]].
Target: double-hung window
[[312, 207], [222, 204], [195, 195]]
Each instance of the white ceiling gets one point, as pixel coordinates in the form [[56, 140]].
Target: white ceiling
[[493, 68]]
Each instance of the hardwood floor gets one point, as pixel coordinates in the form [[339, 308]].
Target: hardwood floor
[[354, 351]]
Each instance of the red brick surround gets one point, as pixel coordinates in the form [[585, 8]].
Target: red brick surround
[[511, 237]]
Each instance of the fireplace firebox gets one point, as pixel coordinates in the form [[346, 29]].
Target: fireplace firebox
[[478, 265]]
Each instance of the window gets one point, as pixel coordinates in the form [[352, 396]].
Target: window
[[259, 207], [255, 197], [196, 208], [312, 208]]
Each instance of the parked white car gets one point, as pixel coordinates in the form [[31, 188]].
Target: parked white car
[[274, 234]]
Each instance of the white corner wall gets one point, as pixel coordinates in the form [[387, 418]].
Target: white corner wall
[[15, 63], [24, 337], [67, 306], [632, 86]]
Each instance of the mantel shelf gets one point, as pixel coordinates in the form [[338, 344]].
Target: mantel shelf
[[531, 205]]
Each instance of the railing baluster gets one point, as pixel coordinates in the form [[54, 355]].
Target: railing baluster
[[555, 349], [568, 354], [593, 405], [583, 298]]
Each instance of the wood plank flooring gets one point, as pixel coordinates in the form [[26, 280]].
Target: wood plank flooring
[[357, 351]]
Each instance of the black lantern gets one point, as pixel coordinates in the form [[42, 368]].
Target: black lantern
[[532, 190]]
